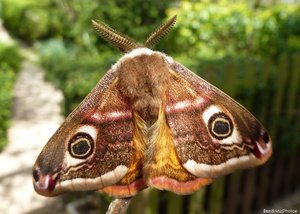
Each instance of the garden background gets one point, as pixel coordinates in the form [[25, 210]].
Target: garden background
[[249, 49]]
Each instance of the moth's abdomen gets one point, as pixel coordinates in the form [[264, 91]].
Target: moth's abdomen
[[143, 79]]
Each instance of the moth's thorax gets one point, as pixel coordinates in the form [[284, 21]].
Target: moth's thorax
[[143, 76]]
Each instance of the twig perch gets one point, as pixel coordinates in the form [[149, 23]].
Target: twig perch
[[118, 206]]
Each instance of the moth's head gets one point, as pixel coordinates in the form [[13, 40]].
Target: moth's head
[[125, 43]]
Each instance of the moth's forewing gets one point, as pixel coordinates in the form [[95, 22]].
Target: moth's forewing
[[94, 146], [213, 134]]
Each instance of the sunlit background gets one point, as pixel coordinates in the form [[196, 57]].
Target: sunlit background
[[50, 58]]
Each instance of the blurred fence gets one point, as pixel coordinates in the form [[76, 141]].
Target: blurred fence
[[275, 100]]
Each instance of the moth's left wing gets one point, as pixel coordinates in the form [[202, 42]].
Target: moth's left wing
[[95, 148], [213, 135]]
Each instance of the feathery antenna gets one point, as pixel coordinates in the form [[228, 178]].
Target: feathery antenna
[[121, 41], [126, 44], [160, 32]]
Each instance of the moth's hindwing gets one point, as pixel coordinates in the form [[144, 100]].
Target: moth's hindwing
[[213, 135], [94, 148]]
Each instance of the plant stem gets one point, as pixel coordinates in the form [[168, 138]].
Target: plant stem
[[118, 206]]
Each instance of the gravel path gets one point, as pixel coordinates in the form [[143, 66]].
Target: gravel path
[[36, 113]]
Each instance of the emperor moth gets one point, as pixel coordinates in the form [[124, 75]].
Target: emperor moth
[[149, 122]]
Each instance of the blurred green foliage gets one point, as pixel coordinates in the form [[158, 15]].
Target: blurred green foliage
[[9, 65], [74, 71], [31, 20], [213, 31], [28, 20]]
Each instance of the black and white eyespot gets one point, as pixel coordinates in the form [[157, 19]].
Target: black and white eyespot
[[81, 146], [90, 133], [220, 126]]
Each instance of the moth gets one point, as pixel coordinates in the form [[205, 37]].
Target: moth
[[149, 122]]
